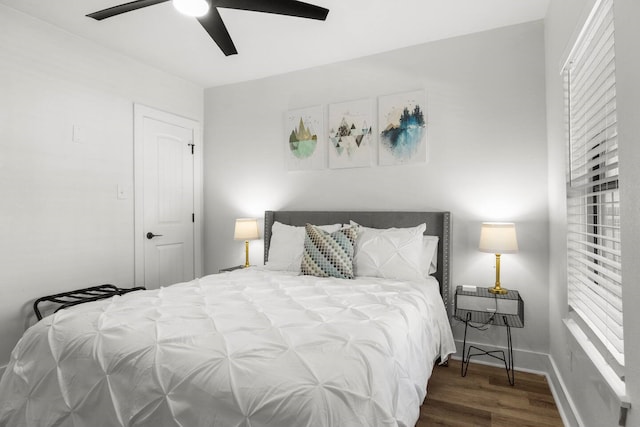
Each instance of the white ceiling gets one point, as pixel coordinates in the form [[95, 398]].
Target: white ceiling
[[271, 44]]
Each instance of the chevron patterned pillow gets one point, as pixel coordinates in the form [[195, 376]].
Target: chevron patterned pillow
[[328, 254]]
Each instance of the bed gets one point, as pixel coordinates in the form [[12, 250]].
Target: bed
[[263, 346]]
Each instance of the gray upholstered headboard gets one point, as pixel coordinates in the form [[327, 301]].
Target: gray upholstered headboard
[[438, 224]]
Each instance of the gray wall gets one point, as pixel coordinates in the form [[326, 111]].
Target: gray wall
[[487, 157], [62, 224], [590, 396]]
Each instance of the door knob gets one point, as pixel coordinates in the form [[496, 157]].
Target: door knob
[[150, 235]]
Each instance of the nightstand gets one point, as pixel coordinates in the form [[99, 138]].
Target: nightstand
[[479, 309], [235, 267]]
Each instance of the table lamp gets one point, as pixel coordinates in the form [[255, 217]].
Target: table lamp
[[246, 229], [498, 238]]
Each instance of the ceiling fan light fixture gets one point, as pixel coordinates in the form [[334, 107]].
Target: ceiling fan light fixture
[[194, 8], [211, 20]]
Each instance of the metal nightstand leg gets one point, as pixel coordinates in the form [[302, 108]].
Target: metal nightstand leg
[[465, 360], [467, 355], [511, 373]]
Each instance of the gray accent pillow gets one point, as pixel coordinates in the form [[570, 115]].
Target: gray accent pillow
[[328, 254]]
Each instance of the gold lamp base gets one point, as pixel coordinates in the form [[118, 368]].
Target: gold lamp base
[[246, 254], [497, 290]]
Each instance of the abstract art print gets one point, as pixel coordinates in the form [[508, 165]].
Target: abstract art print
[[350, 134], [403, 128], [306, 149]]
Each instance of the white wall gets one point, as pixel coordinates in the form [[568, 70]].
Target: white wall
[[593, 402], [487, 156], [61, 224]]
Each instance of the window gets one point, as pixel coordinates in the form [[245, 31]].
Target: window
[[593, 199]]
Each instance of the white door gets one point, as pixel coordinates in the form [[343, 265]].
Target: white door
[[167, 201]]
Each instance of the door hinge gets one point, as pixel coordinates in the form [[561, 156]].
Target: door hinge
[[191, 145], [193, 217]]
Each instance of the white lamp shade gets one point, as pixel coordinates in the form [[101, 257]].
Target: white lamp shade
[[246, 229], [192, 7], [498, 238]]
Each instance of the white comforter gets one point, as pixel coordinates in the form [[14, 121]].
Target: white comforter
[[248, 348]]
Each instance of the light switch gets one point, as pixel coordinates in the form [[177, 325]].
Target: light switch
[[77, 135], [122, 192]]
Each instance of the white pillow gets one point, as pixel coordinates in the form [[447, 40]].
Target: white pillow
[[390, 253], [430, 253], [287, 245]]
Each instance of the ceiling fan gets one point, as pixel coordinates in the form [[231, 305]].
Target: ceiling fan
[[207, 13]]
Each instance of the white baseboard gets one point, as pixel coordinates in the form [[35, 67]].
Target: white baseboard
[[567, 408], [535, 363]]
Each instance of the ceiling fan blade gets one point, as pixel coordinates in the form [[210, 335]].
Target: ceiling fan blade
[[123, 8], [212, 22], [280, 7]]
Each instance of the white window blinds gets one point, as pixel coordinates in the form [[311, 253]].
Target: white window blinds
[[593, 200]]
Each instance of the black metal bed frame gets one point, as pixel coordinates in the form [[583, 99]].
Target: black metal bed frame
[[80, 296]]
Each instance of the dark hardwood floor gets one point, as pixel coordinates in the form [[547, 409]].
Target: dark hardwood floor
[[485, 398]]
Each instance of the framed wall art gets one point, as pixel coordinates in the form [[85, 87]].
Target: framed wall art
[[402, 136], [305, 142], [350, 134]]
